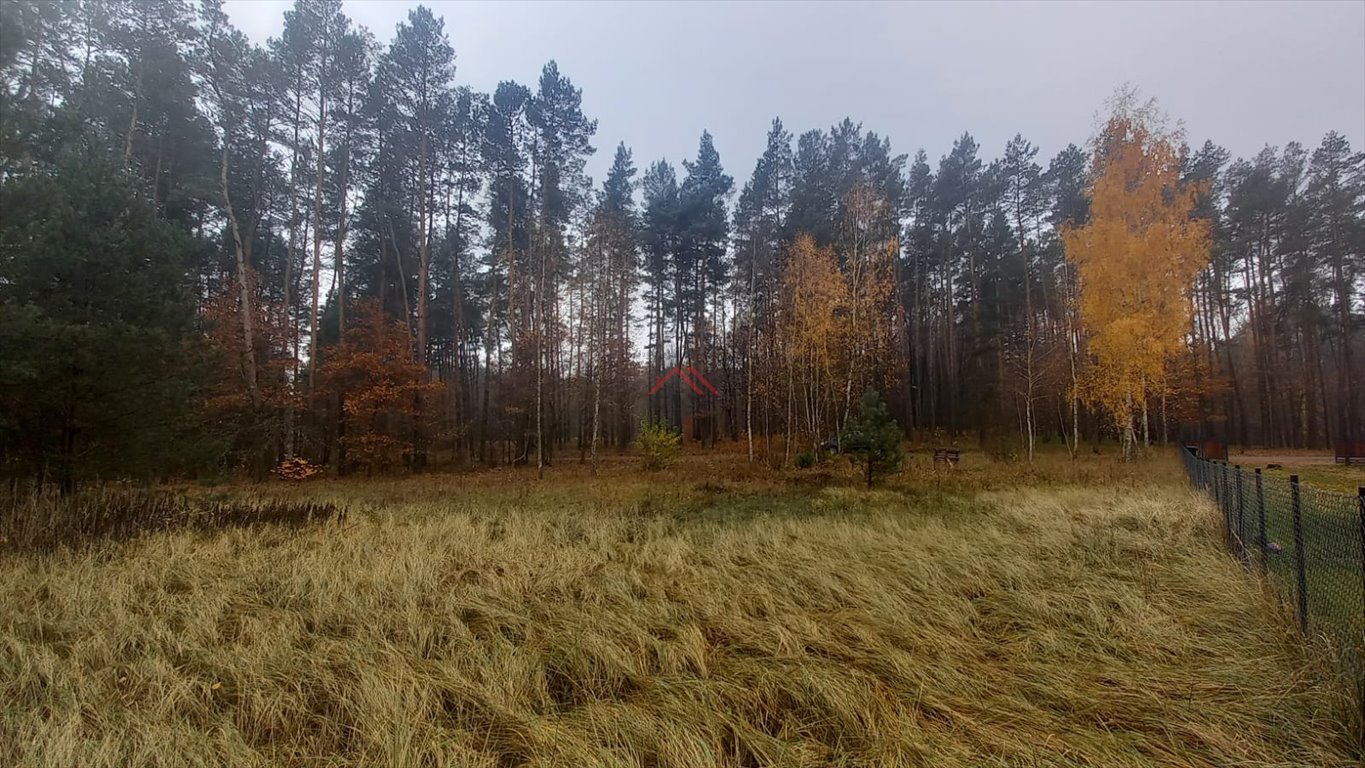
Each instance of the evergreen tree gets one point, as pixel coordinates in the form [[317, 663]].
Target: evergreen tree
[[762, 232], [457, 306], [701, 270], [36, 66], [1021, 178], [352, 139], [813, 197], [1335, 196], [414, 75], [506, 150], [562, 143], [96, 314], [609, 270], [659, 240], [873, 434]]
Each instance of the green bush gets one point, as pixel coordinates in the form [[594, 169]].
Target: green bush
[[873, 435], [658, 444], [805, 460]]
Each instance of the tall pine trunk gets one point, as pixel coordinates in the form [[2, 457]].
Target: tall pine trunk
[[314, 330], [241, 250]]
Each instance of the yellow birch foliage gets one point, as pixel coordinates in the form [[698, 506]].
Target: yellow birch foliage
[[816, 298], [814, 326], [1136, 261], [875, 317]]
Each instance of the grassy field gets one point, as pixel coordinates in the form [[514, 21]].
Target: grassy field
[[1061, 614], [1313, 468], [1336, 478]]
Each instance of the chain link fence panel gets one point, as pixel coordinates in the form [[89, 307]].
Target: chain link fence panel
[[1307, 543]]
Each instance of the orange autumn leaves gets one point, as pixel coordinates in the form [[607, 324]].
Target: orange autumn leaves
[[832, 330], [382, 397], [383, 391], [1136, 262]]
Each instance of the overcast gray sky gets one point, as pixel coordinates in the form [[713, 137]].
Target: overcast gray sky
[[656, 74]]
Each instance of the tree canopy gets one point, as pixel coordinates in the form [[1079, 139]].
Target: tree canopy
[[201, 238]]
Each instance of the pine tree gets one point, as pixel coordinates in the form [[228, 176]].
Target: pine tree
[[330, 28], [95, 314], [957, 211], [36, 64], [1022, 181], [507, 149], [1336, 196], [813, 196], [873, 433], [659, 239], [352, 140], [702, 271], [415, 77], [458, 312], [563, 143], [1067, 180], [761, 237], [608, 268]]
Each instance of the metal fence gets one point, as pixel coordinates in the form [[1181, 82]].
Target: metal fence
[[1308, 544]]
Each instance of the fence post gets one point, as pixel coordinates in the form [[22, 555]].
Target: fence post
[[1260, 517], [1298, 553], [1241, 529]]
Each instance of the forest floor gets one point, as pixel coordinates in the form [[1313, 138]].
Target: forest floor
[[715, 614]]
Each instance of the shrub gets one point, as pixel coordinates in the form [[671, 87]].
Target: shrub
[[874, 435], [658, 444], [805, 460]]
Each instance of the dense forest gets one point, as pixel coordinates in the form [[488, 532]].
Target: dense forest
[[215, 256]]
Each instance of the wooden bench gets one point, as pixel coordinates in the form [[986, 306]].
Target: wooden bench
[[949, 456]]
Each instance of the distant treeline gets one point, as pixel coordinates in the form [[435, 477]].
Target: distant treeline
[[215, 255]]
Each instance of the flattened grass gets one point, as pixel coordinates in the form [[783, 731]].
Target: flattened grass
[[718, 616]]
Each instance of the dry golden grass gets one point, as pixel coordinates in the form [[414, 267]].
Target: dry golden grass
[[713, 616]]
